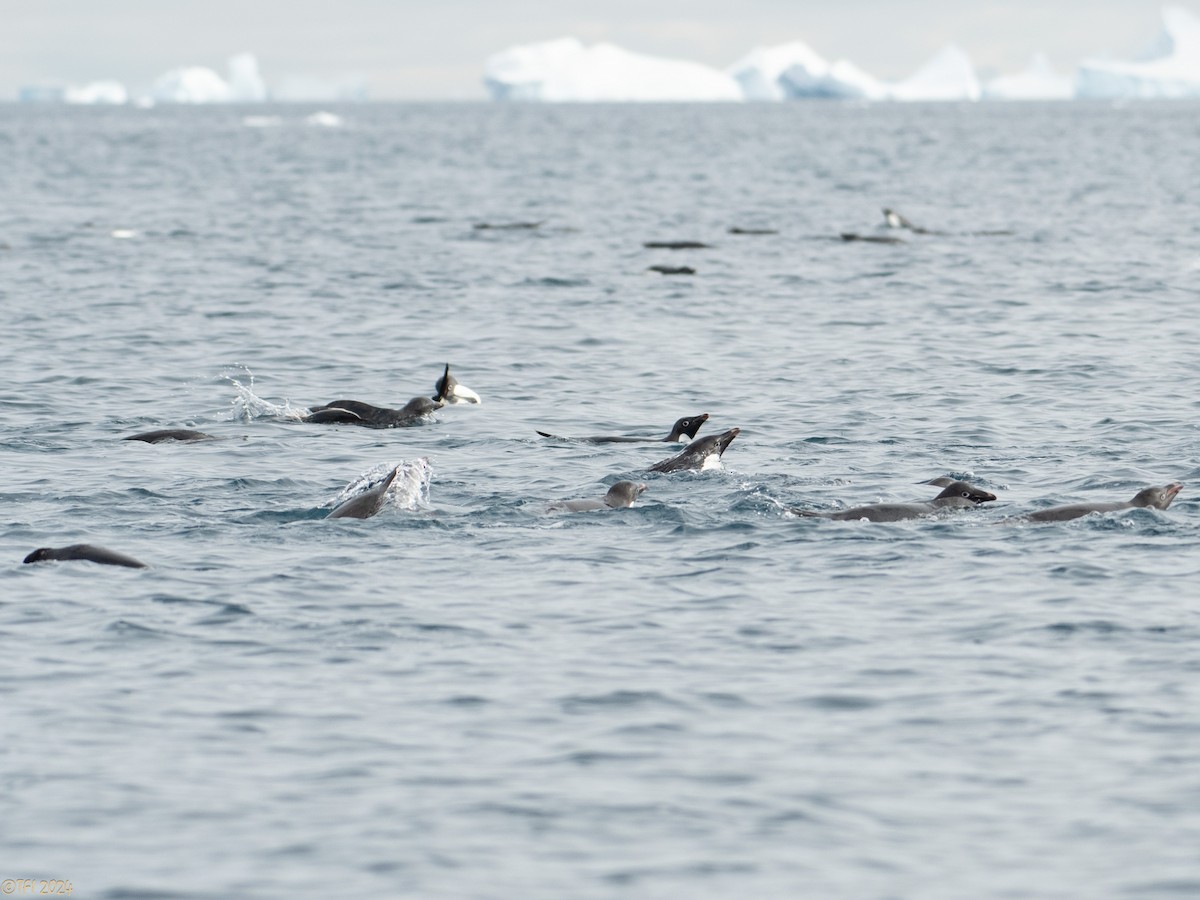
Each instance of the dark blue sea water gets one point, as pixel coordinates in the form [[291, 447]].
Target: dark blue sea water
[[699, 696]]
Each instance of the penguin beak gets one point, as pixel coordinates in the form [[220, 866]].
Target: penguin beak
[[727, 438]]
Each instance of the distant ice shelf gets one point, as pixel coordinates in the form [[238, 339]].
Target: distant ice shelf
[[565, 70]]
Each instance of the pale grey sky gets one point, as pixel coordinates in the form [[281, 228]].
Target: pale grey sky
[[435, 50]]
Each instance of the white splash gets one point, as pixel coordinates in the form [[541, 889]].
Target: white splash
[[247, 405], [409, 491], [324, 119]]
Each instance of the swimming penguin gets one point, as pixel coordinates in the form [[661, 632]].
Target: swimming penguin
[[687, 426], [355, 412], [676, 245], [170, 434], [86, 552], [672, 270], [619, 496], [1151, 498], [415, 412], [448, 390], [736, 230], [507, 226], [893, 219], [957, 495], [366, 504], [699, 453], [870, 238]]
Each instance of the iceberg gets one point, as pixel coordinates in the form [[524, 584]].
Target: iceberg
[[519, 73], [190, 84], [41, 93], [97, 92], [841, 81], [949, 75], [1171, 68], [564, 70], [1039, 81], [245, 84], [197, 84], [759, 71]]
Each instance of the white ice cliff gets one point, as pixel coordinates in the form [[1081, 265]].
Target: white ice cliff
[[197, 84], [758, 72], [1171, 68], [841, 81], [112, 92], [1039, 81], [949, 75], [566, 70]]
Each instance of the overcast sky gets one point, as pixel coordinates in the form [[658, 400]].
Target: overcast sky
[[435, 49]]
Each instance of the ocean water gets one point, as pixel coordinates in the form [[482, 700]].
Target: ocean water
[[700, 696]]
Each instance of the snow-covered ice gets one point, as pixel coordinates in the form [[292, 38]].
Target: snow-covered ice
[[566, 70], [949, 75], [112, 92], [1170, 68], [757, 73], [841, 81], [190, 84], [197, 84], [245, 84], [1039, 81]]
